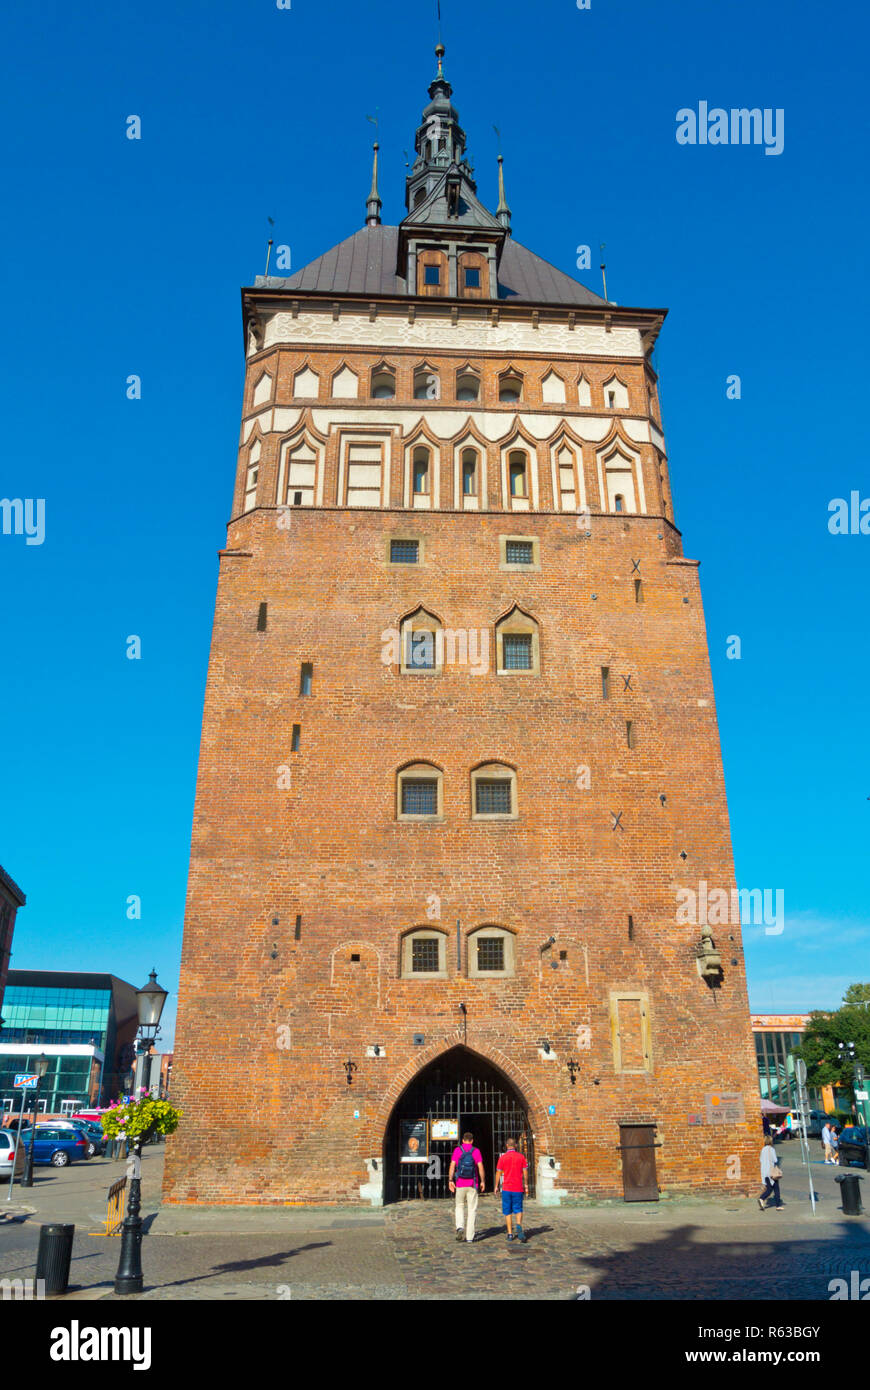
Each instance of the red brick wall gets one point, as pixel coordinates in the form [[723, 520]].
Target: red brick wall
[[268, 1115]]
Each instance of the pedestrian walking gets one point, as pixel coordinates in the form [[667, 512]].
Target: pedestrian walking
[[510, 1180], [835, 1143], [466, 1180], [770, 1176], [826, 1140]]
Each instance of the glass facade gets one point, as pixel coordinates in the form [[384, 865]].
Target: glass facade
[[774, 1053], [67, 1079], [39, 1013]]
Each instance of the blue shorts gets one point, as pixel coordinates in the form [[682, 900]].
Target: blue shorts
[[511, 1203]]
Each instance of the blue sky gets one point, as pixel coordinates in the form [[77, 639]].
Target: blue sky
[[123, 257]]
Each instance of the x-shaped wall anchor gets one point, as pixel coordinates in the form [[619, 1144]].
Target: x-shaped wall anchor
[[635, 566], [626, 683], [617, 817]]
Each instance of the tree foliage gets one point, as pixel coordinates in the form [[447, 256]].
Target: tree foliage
[[826, 1065]]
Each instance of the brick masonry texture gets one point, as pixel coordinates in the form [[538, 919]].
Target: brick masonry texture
[[267, 1020]]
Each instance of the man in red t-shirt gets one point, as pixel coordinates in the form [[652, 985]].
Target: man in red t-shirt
[[510, 1178]]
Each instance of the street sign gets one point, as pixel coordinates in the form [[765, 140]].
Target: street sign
[[862, 1095], [26, 1079], [800, 1071]]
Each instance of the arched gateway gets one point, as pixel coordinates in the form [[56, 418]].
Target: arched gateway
[[457, 1091]]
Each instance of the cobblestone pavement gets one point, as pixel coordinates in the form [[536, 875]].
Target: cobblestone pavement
[[687, 1250]]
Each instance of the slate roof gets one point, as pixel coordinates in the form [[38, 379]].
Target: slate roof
[[365, 263]]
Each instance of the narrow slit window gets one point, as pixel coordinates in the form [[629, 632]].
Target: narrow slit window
[[630, 738], [631, 928], [297, 931], [296, 738], [469, 473], [262, 617], [305, 678], [605, 682], [421, 472], [638, 591]]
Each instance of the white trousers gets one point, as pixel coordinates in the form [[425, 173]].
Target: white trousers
[[466, 1210]]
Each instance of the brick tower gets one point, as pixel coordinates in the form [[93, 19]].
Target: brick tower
[[459, 750]]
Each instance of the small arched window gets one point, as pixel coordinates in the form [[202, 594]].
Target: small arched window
[[419, 792], [467, 387], [510, 389], [494, 792], [518, 474], [518, 647], [424, 954], [427, 386], [420, 472], [383, 384], [422, 644], [469, 473], [491, 953]]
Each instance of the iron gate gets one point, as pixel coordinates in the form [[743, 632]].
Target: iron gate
[[480, 1103]]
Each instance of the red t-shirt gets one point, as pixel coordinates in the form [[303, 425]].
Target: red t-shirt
[[512, 1164]]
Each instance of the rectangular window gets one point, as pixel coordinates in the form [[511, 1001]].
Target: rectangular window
[[490, 953], [424, 955], [605, 682], [493, 798], [472, 278], [295, 739], [262, 614], [431, 275], [421, 477], [519, 552], [305, 678], [419, 798], [404, 552], [420, 651], [469, 478], [517, 651]]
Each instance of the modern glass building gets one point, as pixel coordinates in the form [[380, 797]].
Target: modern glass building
[[85, 1024], [776, 1037]]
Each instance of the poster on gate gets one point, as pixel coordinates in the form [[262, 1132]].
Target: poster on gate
[[414, 1141]]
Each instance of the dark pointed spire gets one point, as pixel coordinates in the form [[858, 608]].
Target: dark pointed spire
[[374, 203], [502, 212]]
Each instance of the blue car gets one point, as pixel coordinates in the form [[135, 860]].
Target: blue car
[[58, 1147]]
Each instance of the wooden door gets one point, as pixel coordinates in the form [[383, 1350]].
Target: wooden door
[[639, 1179]]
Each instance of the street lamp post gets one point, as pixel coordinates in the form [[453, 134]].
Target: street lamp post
[[40, 1068], [128, 1278]]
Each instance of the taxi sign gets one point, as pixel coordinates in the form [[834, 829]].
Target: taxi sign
[[24, 1078]]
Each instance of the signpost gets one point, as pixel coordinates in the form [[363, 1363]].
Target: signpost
[[800, 1072], [24, 1082]]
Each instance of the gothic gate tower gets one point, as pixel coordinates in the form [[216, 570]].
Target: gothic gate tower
[[459, 751]]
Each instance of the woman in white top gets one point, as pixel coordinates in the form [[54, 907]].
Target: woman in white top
[[769, 1163]]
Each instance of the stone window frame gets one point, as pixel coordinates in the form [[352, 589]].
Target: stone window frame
[[418, 772], [534, 567], [515, 622], [406, 951], [640, 996], [435, 625], [494, 772], [405, 535], [490, 929]]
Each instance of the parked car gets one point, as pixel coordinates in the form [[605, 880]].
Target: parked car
[[7, 1154], [818, 1120], [95, 1136], [853, 1146], [56, 1145]]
